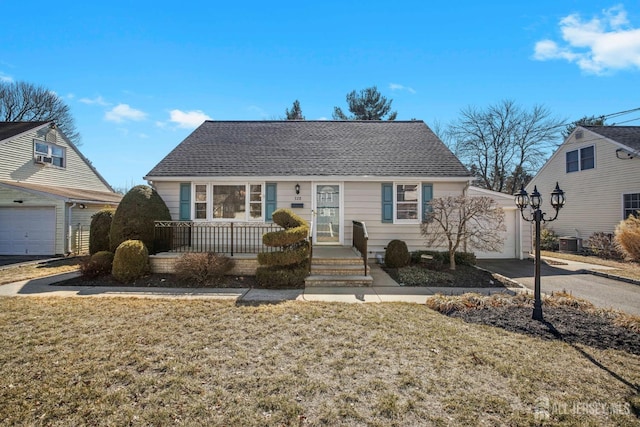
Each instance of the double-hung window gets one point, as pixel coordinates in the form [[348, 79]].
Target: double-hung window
[[582, 159], [229, 202], [47, 153], [631, 204], [407, 201]]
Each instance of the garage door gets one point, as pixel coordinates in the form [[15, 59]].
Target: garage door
[[27, 231], [509, 247]]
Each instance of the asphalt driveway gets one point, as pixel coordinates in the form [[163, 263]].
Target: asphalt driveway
[[602, 292]]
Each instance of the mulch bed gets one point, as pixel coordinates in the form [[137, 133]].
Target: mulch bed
[[464, 276], [568, 324]]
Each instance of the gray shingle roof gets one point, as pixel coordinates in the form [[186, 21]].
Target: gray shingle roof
[[626, 135], [311, 148], [9, 129]]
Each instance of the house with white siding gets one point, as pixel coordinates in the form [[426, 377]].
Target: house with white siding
[[48, 191], [331, 173], [598, 168]]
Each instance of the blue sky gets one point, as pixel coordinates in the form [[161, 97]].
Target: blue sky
[[139, 76]]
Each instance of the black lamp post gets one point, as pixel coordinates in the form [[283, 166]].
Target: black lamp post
[[535, 200]]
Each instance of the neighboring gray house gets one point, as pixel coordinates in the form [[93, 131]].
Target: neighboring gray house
[[382, 173], [598, 167], [48, 191]]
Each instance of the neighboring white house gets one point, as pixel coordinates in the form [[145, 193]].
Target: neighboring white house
[[382, 173], [598, 167], [512, 220], [48, 191]]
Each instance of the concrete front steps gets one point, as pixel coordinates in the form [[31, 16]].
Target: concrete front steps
[[341, 272]]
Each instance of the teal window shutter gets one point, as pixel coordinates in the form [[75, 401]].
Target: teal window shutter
[[271, 201], [387, 202], [185, 201], [427, 195]]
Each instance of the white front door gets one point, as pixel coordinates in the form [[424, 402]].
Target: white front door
[[328, 207]]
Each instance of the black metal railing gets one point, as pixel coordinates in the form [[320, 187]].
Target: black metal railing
[[360, 241], [228, 238]]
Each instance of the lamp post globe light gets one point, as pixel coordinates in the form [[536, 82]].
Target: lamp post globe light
[[523, 199]]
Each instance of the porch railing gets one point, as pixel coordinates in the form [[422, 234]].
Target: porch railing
[[360, 240], [228, 238]]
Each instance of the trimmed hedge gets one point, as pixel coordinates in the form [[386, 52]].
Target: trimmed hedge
[[442, 257], [284, 258], [99, 230], [280, 278], [288, 267], [131, 261], [285, 218], [135, 218], [286, 237]]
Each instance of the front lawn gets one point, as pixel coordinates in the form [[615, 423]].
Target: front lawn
[[40, 269], [200, 362]]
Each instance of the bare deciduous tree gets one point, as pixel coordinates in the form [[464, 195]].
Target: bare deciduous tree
[[453, 220], [22, 101], [505, 143]]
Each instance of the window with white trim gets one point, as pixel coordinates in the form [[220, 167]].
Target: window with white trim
[[229, 202], [581, 159], [631, 204], [200, 201], [47, 153], [407, 203]]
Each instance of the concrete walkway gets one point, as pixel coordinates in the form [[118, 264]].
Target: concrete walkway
[[385, 289]]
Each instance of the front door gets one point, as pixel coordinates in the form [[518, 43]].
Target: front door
[[328, 221]]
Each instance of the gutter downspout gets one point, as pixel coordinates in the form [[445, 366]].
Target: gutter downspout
[[73, 205]]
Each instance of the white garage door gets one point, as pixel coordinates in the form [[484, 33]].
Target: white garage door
[[27, 231], [509, 247]]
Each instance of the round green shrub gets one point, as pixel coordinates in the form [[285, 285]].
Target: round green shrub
[[135, 219], [131, 261], [397, 254], [99, 230], [99, 264]]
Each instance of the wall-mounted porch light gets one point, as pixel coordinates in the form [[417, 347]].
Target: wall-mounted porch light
[[297, 188]]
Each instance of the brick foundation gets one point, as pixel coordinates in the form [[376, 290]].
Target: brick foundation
[[165, 262]]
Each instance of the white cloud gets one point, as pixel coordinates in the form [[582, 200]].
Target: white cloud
[[5, 78], [188, 119], [123, 112], [395, 86], [98, 100], [601, 45]]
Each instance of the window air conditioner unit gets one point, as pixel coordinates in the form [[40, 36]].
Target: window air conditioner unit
[[43, 159]]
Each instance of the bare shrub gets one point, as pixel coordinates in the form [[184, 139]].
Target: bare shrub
[[603, 246], [99, 264], [203, 268], [627, 237]]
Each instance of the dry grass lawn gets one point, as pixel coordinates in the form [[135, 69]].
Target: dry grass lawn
[[35, 270], [630, 270], [70, 362]]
